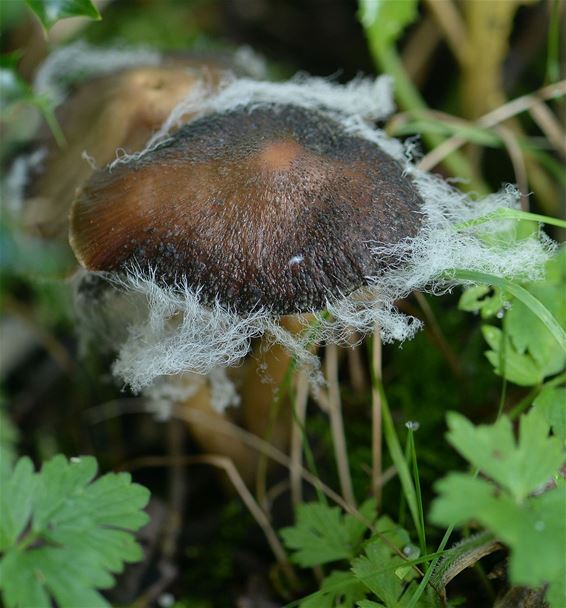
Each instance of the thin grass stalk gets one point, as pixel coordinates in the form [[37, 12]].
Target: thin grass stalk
[[491, 119], [376, 422], [264, 447], [412, 427], [511, 142], [297, 432], [356, 366], [550, 126], [394, 447], [247, 497], [426, 578], [337, 424], [402, 501]]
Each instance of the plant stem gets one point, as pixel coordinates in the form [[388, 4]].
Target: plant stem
[[297, 431], [376, 427], [388, 60], [337, 424]]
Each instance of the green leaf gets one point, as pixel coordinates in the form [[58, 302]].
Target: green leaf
[[493, 450], [529, 334], [530, 301], [517, 505], [13, 88], [51, 11], [551, 403], [537, 527], [383, 571], [531, 352], [16, 500], [376, 570], [512, 214], [9, 436], [483, 299], [385, 20], [325, 534], [338, 590], [518, 368], [64, 534]]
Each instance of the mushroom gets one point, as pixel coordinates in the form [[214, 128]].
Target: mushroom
[[273, 207], [264, 210], [272, 199]]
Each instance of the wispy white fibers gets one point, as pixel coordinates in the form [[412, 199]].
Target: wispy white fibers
[[179, 334], [355, 105], [423, 263], [169, 331], [80, 61], [166, 391]]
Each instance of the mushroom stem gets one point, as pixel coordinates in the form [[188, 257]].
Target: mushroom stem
[[297, 433], [337, 424], [376, 431]]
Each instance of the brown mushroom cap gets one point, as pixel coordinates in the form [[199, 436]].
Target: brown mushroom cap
[[274, 206]]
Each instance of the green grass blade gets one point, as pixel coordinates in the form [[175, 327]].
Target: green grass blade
[[428, 573], [512, 214], [534, 305], [397, 456], [416, 480]]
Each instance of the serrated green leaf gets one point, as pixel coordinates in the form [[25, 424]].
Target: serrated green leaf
[[29, 578], [520, 293], [383, 571], [338, 590], [16, 501], [372, 570], [483, 299], [61, 482], [536, 527], [51, 11], [518, 509], [529, 334], [532, 351], [518, 368], [493, 450], [551, 403], [79, 537], [323, 534]]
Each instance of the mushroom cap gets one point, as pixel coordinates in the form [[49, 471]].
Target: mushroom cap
[[273, 206]]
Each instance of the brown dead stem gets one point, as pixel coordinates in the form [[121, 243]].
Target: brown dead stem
[[297, 434], [493, 118], [337, 424]]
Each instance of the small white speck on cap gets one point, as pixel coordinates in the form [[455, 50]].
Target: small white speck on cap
[[296, 259]]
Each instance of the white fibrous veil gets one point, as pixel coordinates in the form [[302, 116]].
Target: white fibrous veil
[[167, 331]]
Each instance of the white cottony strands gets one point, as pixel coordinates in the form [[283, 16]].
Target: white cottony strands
[[171, 332], [79, 61]]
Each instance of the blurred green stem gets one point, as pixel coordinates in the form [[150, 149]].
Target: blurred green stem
[[388, 60]]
